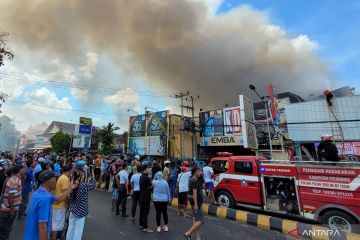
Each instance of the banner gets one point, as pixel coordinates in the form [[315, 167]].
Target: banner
[[232, 121], [156, 146], [277, 126], [137, 146], [157, 123], [211, 123], [86, 121], [248, 122], [137, 126], [85, 129]]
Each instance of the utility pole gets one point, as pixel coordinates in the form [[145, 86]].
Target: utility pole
[[181, 95], [193, 130]]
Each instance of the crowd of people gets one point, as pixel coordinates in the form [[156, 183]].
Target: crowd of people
[[59, 188]]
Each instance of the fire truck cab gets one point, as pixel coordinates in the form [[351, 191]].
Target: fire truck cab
[[326, 192]]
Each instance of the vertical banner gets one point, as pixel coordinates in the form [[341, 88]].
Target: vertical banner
[[211, 123], [248, 122], [232, 121], [157, 130], [137, 126]]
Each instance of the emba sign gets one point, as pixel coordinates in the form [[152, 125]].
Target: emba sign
[[221, 140], [234, 140]]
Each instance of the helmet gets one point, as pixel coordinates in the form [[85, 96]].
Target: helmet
[[80, 164], [326, 137]]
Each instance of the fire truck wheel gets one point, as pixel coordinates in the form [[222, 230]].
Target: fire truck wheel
[[338, 220], [225, 199]]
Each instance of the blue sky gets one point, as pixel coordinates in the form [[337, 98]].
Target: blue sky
[[333, 25]]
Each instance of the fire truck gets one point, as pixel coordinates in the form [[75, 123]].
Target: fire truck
[[326, 192]]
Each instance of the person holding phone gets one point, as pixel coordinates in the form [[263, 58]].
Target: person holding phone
[[79, 202]]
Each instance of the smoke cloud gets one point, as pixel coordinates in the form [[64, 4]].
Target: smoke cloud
[[178, 45]]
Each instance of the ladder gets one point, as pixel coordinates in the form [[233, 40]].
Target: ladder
[[336, 129]]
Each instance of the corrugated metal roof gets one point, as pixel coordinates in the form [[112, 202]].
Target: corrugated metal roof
[[301, 118]]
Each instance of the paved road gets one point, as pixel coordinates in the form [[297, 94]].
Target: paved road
[[102, 224]]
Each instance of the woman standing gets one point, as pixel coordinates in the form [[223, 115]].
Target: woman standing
[[161, 198], [79, 203]]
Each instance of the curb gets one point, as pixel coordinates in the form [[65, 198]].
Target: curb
[[294, 229]]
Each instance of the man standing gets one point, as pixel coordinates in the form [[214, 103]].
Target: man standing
[[196, 201], [209, 183], [122, 178], [145, 199], [11, 201], [183, 189], [59, 208], [39, 214], [166, 171], [26, 188], [135, 183]]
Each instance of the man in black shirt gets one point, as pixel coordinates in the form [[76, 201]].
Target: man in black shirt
[[196, 200], [145, 199], [327, 150]]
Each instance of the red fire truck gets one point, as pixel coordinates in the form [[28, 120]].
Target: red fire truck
[[323, 191]]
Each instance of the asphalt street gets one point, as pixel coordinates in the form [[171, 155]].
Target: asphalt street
[[101, 223]]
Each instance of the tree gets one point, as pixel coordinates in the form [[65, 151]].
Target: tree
[[107, 137], [60, 142], [5, 52]]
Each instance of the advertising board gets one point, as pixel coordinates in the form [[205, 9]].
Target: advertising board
[[137, 146], [211, 123], [157, 123], [137, 126], [232, 121], [248, 122]]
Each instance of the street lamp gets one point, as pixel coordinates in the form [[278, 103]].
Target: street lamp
[[252, 87]]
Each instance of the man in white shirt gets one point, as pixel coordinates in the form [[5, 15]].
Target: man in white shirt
[[122, 179], [182, 187], [135, 183], [208, 173]]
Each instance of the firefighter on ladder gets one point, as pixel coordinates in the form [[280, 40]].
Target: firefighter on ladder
[[327, 150]]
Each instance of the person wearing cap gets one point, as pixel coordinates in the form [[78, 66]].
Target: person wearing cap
[[59, 208], [40, 208], [79, 203], [166, 171], [182, 187], [12, 194]]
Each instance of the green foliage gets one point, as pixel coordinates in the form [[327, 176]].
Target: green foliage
[[107, 137], [60, 142]]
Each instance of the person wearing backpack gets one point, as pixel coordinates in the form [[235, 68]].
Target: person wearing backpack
[[172, 180]]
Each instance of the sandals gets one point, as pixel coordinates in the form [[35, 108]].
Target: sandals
[[187, 237]]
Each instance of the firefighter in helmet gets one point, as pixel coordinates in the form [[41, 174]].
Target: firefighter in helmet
[[327, 150]]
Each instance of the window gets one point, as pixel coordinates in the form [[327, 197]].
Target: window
[[243, 167], [219, 166]]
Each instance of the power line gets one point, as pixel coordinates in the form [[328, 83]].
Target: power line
[[67, 109], [90, 88]]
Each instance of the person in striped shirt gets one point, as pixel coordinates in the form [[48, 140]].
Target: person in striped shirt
[[11, 201]]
